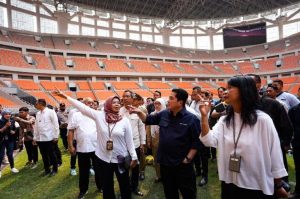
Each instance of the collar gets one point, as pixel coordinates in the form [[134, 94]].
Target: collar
[[279, 94], [182, 112]]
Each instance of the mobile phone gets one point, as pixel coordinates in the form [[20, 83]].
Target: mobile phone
[[220, 108]]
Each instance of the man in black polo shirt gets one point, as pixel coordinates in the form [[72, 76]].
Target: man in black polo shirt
[[178, 144]]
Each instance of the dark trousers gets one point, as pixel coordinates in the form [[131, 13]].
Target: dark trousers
[[213, 152], [48, 155], [84, 164], [107, 171], [231, 191], [73, 157], [63, 135], [9, 146], [201, 161], [32, 151], [57, 153], [181, 177], [286, 179], [135, 172], [296, 155]]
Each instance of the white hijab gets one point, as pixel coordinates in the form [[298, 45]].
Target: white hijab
[[155, 128]]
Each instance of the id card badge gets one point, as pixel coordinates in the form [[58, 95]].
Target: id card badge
[[235, 163], [109, 145]]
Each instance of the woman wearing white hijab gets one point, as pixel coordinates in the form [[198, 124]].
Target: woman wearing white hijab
[[159, 105]]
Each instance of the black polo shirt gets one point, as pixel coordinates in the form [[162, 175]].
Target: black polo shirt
[[177, 135]]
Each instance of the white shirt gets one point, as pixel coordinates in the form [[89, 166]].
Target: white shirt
[[46, 126], [195, 107], [138, 127], [259, 148], [289, 99], [85, 132], [121, 134]]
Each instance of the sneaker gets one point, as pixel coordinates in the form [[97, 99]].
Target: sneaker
[[202, 182], [73, 172], [14, 170], [28, 164], [92, 172], [0, 174], [52, 173], [81, 195], [34, 165]]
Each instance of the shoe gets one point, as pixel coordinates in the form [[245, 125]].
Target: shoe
[[28, 164], [34, 165], [52, 173], [202, 182], [137, 192], [81, 195], [14, 170], [92, 172], [73, 172], [0, 174], [142, 176]]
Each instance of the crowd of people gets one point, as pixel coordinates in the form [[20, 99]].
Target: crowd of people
[[248, 130]]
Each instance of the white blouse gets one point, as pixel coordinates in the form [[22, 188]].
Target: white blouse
[[259, 148], [121, 134]]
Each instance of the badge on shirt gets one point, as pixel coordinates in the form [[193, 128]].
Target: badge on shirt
[[109, 145], [235, 163]]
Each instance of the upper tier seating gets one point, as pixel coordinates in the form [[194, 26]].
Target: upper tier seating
[[144, 67], [13, 58]]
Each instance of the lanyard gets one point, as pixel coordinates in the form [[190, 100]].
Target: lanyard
[[239, 135], [110, 130]]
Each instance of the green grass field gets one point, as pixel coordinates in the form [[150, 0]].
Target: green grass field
[[28, 184]]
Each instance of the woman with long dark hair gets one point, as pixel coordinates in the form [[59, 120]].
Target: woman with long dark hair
[[250, 163], [115, 147]]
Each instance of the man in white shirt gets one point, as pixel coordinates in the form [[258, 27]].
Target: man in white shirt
[[287, 98], [138, 134], [84, 130], [46, 131]]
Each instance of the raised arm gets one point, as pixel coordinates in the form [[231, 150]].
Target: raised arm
[[80, 106]]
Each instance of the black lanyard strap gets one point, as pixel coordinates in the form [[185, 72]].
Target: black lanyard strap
[[110, 130], [239, 135]]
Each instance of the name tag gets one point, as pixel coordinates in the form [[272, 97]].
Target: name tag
[[109, 145], [235, 163]]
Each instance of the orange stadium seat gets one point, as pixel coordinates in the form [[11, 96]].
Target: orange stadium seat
[[157, 85], [42, 62], [184, 85], [26, 84], [103, 95], [83, 85], [42, 95], [169, 68], [97, 85], [116, 65], [48, 85], [144, 67], [7, 103], [189, 69], [85, 64], [60, 62], [125, 85], [13, 58], [84, 94]]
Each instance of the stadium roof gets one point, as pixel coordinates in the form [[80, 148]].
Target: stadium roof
[[185, 9]]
